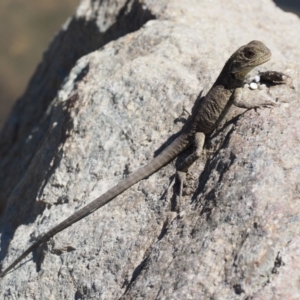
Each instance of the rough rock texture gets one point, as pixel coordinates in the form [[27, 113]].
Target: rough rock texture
[[111, 91]]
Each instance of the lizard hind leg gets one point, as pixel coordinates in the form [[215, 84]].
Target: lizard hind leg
[[184, 166]]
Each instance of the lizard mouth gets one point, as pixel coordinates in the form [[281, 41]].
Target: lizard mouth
[[263, 59]]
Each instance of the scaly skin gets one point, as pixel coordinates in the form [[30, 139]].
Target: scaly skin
[[224, 92]]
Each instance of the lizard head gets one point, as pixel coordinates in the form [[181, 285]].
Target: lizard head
[[248, 57]]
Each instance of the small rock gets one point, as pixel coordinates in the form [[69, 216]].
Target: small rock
[[253, 86], [257, 78]]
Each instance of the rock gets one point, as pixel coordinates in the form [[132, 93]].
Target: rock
[[111, 92], [253, 86]]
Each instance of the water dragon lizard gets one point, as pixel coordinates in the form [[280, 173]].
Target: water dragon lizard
[[226, 91]]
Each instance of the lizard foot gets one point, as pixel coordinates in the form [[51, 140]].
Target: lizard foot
[[182, 178], [169, 190]]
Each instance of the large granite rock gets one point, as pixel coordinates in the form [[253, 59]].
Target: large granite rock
[[111, 91]]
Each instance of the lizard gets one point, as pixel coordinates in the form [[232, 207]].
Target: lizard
[[225, 92]]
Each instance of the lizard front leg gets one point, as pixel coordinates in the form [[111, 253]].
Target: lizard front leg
[[259, 100]]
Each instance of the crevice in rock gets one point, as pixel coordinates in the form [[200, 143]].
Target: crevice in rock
[[278, 262], [136, 273], [211, 163]]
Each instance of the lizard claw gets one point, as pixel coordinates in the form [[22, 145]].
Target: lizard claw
[[269, 105]]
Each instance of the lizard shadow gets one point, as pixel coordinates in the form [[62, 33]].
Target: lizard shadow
[[212, 163], [209, 165], [210, 199]]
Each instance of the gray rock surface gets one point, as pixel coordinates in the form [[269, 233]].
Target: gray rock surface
[[111, 91]]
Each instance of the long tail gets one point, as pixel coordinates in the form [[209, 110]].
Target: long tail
[[180, 144]]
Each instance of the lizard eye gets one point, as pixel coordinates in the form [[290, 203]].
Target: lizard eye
[[249, 53]]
